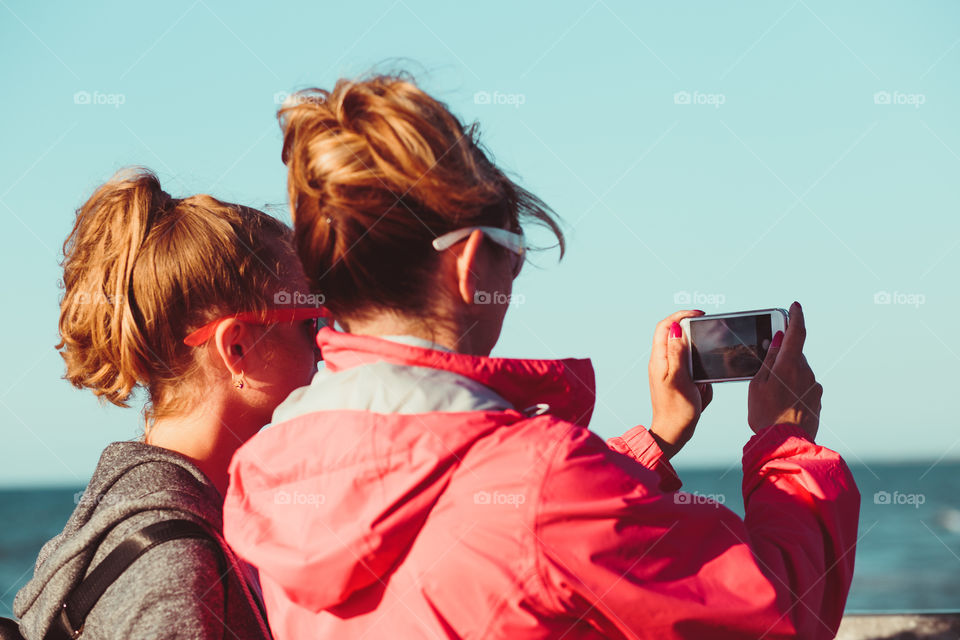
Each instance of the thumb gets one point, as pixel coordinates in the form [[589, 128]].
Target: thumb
[[677, 353], [706, 394]]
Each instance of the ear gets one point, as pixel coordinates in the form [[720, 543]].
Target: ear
[[467, 267], [233, 341]]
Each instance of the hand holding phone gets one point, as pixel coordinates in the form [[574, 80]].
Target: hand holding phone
[[785, 390], [676, 400]]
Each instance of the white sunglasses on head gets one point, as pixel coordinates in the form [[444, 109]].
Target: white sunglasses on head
[[509, 240]]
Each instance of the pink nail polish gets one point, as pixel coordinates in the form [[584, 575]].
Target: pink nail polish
[[675, 331], [777, 339]]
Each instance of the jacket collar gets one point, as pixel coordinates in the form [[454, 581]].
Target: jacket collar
[[566, 385]]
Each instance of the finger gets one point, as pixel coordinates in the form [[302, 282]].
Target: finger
[[796, 331], [776, 345], [677, 354], [706, 394], [658, 355]]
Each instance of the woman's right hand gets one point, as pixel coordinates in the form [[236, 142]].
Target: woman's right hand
[[785, 390]]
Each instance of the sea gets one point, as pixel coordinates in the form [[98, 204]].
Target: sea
[[908, 555]]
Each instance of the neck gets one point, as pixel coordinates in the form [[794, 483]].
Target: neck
[[207, 437], [444, 334]]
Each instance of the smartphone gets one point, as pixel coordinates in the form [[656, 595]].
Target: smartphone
[[731, 346]]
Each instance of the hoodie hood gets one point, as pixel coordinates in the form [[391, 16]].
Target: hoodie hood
[[377, 436], [131, 477]]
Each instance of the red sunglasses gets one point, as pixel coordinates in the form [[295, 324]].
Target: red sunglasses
[[271, 316]]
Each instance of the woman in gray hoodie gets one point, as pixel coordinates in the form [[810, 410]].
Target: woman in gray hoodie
[[203, 305]]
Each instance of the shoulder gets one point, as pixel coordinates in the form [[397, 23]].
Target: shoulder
[[146, 469], [544, 449], [558, 447], [172, 590], [539, 464], [580, 476], [156, 488]]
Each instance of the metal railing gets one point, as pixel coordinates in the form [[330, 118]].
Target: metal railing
[[926, 625]]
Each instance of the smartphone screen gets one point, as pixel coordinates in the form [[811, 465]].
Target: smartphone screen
[[725, 348]]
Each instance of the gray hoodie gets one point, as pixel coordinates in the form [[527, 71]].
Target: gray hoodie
[[173, 590]]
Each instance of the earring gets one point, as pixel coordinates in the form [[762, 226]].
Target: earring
[[239, 382]]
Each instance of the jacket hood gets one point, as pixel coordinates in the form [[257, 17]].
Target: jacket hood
[[567, 385], [334, 493], [114, 493]]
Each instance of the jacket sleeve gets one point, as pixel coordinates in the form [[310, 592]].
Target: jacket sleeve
[[622, 556], [640, 445]]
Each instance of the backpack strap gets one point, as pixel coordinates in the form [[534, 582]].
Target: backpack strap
[[68, 625]]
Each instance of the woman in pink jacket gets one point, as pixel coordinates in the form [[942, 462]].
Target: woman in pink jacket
[[420, 488]]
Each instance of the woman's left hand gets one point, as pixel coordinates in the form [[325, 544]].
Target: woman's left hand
[[677, 401]]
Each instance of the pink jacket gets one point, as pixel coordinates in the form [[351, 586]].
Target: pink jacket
[[412, 492]]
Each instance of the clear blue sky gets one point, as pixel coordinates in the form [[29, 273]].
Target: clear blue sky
[[748, 154]]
